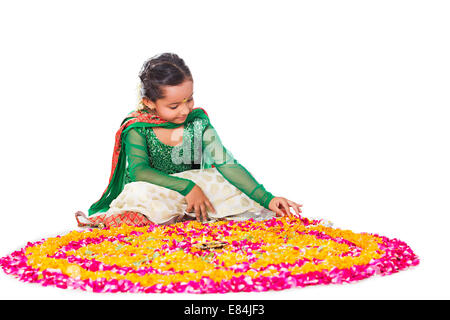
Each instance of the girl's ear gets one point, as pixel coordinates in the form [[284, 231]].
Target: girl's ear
[[149, 103]]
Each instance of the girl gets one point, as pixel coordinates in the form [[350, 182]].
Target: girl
[[166, 135]]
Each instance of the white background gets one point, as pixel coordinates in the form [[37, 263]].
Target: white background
[[339, 105]]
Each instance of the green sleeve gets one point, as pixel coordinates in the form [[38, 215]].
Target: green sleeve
[[215, 153], [140, 169]]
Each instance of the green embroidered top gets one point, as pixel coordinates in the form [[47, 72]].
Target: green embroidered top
[[148, 159]]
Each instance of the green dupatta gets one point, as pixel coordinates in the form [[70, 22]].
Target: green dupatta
[[118, 169]]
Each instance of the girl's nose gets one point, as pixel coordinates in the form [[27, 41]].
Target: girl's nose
[[186, 109]]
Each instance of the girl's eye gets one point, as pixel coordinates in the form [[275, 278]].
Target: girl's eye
[[173, 108]]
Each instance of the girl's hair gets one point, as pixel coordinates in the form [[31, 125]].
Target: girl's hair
[[166, 69]]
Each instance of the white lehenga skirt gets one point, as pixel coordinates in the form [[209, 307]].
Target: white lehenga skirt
[[162, 205]]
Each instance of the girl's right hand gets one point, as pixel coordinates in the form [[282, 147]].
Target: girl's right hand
[[197, 200]]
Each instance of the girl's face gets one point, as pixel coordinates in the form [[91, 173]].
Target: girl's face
[[177, 103]]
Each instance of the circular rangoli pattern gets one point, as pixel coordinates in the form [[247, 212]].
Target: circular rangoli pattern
[[220, 257]]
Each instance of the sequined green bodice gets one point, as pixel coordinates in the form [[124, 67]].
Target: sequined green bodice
[[148, 159], [173, 159], [164, 157]]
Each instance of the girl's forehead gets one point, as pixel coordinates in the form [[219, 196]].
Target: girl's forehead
[[178, 93]]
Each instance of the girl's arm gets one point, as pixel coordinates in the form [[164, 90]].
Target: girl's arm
[[215, 153], [140, 169]]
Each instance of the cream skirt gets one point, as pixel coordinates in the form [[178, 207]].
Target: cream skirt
[[162, 205]]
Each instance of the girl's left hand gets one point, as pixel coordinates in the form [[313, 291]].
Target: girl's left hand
[[281, 206]]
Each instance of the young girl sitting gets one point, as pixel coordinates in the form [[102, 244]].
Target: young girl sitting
[[169, 162]]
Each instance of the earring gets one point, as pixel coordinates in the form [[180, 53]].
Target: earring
[[151, 110]]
